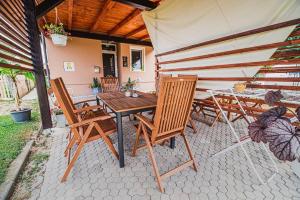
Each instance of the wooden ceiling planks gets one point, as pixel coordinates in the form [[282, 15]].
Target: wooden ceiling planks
[[101, 16], [117, 14], [135, 31], [126, 20], [108, 5], [70, 13]]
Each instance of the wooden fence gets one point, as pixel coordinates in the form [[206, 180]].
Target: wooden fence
[[7, 88]]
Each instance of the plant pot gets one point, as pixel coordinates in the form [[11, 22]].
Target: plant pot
[[22, 115], [127, 93], [95, 91], [296, 167], [59, 40]]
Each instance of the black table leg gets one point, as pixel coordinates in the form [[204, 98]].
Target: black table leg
[[97, 100], [120, 140], [172, 143]]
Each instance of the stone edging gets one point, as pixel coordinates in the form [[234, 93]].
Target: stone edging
[[6, 188]]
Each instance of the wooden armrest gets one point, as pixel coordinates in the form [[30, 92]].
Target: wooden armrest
[[84, 101], [145, 121], [87, 108], [88, 121]]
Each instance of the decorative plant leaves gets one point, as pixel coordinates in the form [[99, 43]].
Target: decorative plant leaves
[[270, 116], [274, 128], [298, 113], [285, 139], [272, 97], [256, 132]]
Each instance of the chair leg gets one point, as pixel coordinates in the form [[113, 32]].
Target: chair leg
[[77, 153], [70, 145], [193, 125], [137, 140], [189, 151], [107, 141], [151, 154], [216, 119]]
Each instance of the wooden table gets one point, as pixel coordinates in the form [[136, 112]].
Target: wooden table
[[124, 106]]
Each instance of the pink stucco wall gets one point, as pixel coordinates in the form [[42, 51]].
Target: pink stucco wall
[[146, 79], [85, 54]]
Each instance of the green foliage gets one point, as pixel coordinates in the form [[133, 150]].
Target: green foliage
[[55, 29], [130, 84], [13, 137], [95, 83], [12, 73]]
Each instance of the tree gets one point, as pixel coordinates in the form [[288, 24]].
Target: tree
[[12, 74]]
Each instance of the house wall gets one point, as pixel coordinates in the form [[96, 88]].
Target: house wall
[[145, 80], [87, 53]]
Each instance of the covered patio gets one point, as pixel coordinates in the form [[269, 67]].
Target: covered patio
[[97, 175], [195, 100]]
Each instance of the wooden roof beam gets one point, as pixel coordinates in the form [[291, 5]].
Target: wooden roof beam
[[97, 36], [144, 37], [135, 31], [108, 5], [126, 20], [140, 4], [70, 14], [47, 5]]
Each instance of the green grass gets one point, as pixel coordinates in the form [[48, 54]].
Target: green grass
[[13, 137]]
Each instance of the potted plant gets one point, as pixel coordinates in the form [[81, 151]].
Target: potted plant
[[57, 33], [129, 87], [96, 87], [19, 114], [280, 132]]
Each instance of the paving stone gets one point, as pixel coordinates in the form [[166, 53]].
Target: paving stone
[[96, 174]]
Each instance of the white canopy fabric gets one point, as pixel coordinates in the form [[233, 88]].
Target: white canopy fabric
[[180, 23]]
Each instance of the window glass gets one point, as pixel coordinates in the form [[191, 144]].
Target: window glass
[[137, 63]]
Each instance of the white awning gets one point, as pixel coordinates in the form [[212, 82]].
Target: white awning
[[180, 23]]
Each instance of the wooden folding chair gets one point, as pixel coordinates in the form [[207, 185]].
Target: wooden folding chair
[[173, 109], [83, 130], [110, 84], [83, 110], [191, 122], [207, 110]]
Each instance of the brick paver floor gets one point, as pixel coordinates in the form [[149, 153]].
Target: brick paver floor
[[96, 174]]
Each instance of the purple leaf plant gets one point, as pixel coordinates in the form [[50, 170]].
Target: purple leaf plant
[[274, 128]]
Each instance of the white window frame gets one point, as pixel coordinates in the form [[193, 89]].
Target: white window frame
[[143, 58], [111, 52]]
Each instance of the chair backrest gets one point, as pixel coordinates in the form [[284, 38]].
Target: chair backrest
[[66, 93], [109, 84], [174, 104], [63, 101], [187, 75], [159, 80]]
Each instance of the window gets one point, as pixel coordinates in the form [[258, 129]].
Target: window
[[137, 59], [108, 47]]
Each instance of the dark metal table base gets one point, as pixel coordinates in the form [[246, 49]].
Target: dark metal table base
[[119, 116]]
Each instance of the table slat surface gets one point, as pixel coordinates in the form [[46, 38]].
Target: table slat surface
[[118, 102]]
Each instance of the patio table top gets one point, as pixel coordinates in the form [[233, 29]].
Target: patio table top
[[118, 102]]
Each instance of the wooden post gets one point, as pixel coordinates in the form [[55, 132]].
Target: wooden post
[[34, 37]]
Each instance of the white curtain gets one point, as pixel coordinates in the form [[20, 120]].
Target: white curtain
[[180, 23]]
